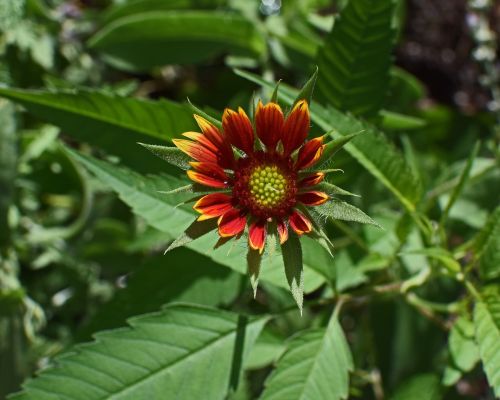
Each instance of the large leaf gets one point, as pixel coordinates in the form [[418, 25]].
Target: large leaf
[[355, 59], [164, 355], [487, 323], [164, 213], [183, 275], [152, 39], [420, 387], [487, 246], [372, 149], [315, 365], [110, 122]]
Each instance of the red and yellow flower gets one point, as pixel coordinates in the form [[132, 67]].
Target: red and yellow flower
[[262, 173]]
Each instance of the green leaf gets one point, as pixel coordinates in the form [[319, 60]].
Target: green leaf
[[420, 387], [172, 155], [106, 121], [355, 60], [338, 209], [183, 275], [167, 214], [315, 365], [393, 121], [154, 357], [440, 254], [372, 150], [194, 231], [464, 354], [151, 39], [487, 246], [133, 7], [294, 269], [487, 324]]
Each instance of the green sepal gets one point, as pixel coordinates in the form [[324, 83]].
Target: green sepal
[[335, 145], [194, 231], [274, 96], [291, 251], [172, 155], [254, 261], [338, 209], [307, 90], [331, 190], [203, 114]]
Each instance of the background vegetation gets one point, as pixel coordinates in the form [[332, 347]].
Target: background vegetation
[[410, 311]]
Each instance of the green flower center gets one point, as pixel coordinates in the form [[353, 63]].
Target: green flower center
[[268, 186]]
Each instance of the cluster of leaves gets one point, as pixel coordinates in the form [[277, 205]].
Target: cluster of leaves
[[408, 311]]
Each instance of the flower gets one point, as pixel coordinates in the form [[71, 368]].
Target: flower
[[261, 174]]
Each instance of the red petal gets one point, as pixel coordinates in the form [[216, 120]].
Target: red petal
[[300, 223], [195, 150], [213, 134], [238, 129], [269, 121], [232, 223], [210, 169], [213, 205], [310, 153], [201, 139], [282, 231], [257, 235], [206, 179], [314, 198], [296, 127], [312, 179]]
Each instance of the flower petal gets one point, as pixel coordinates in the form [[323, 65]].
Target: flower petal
[[201, 139], [195, 150], [269, 121], [310, 153], [232, 223], [300, 223], [206, 180], [213, 205], [257, 235], [210, 169], [238, 129], [313, 198], [213, 134], [282, 231], [296, 127], [313, 179]]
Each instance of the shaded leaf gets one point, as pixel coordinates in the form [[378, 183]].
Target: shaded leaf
[[420, 387], [155, 356], [294, 269]]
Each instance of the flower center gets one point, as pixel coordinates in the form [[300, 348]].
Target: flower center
[[267, 185]]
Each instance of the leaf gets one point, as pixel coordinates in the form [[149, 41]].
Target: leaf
[[194, 231], [315, 365], [487, 246], [143, 41], [172, 155], [183, 275], [294, 269], [355, 59], [463, 350], [155, 356], [372, 149], [106, 121], [420, 387], [487, 324], [133, 7], [338, 209], [163, 212], [440, 254], [307, 90], [11, 13], [393, 121]]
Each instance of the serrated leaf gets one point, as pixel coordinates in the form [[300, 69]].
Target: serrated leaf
[[106, 121], [143, 41], [420, 387], [338, 209], [167, 214], [172, 155], [294, 269], [315, 365], [487, 325], [154, 357], [181, 276], [355, 59], [487, 246], [372, 150]]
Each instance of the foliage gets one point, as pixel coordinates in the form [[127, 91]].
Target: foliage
[[398, 289]]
